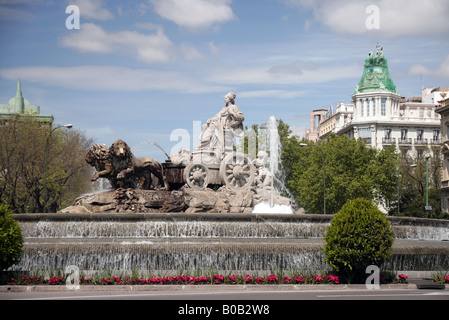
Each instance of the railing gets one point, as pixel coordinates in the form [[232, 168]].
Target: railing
[[435, 141], [388, 141], [421, 142], [407, 141]]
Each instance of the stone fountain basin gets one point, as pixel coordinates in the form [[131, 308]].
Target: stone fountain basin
[[175, 241]]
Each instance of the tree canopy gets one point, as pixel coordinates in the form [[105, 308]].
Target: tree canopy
[[352, 170], [42, 167]]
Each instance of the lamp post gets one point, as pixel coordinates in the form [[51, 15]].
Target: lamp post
[[47, 147], [324, 175]]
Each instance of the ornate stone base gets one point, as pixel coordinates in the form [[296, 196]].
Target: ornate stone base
[[189, 200]]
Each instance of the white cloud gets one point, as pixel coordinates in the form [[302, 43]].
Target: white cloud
[[92, 9], [194, 14], [110, 78], [277, 94], [151, 48], [441, 72], [191, 53], [297, 67], [213, 48], [398, 18], [265, 75]]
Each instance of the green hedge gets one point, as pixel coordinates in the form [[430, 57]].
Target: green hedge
[[11, 241], [359, 236]]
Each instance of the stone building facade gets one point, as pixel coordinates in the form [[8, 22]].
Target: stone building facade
[[444, 112], [380, 116]]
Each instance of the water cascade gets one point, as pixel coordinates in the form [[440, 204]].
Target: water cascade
[[237, 242]]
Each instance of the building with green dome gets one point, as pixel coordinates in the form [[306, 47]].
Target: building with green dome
[[21, 106], [376, 76], [380, 116]]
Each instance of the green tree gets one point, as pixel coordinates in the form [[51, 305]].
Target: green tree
[[352, 170], [411, 193], [359, 236], [11, 241], [41, 167]]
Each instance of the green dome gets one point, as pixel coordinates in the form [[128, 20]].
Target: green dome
[[376, 76]]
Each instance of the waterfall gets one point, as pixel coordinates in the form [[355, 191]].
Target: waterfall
[[253, 242]]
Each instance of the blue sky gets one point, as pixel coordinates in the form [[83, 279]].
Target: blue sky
[[140, 69]]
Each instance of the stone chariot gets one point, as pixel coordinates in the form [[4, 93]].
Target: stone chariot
[[234, 170], [214, 162]]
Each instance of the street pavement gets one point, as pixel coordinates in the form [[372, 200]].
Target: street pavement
[[225, 293]]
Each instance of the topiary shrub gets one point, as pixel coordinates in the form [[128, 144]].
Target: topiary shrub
[[10, 239], [359, 236]]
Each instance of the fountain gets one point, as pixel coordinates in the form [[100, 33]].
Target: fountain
[[208, 241], [203, 215], [272, 147]]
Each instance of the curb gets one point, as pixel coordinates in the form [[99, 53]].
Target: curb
[[162, 288]]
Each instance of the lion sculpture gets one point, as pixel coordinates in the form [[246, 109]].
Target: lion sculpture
[[125, 164], [122, 169], [99, 157]]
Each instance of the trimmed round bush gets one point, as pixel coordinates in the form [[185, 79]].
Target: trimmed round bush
[[359, 236], [10, 239]]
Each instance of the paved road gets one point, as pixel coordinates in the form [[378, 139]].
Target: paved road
[[230, 304], [228, 296]]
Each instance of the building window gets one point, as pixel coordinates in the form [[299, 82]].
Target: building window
[[367, 107], [374, 103], [363, 108], [419, 134], [383, 107], [436, 135], [365, 134], [404, 133], [387, 134]]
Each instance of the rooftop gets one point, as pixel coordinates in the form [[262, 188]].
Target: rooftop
[[376, 76]]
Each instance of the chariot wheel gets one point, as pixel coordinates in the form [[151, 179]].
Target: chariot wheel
[[237, 171], [196, 175]]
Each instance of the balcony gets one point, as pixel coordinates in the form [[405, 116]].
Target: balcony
[[445, 184], [407, 142], [435, 142], [421, 142], [388, 141]]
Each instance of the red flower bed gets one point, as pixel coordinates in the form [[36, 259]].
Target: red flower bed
[[179, 280]]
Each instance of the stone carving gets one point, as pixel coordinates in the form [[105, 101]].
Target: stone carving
[[99, 157], [214, 162], [218, 132], [211, 178], [126, 164], [188, 200], [122, 169], [263, 175]]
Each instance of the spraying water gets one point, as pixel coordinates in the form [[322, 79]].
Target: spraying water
[[158, 146], [141, 144], [273, 147]]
